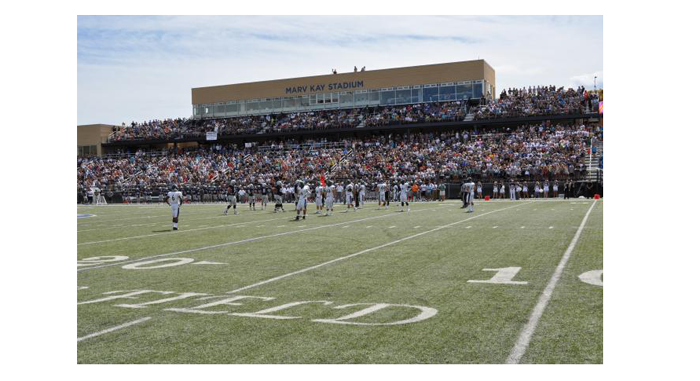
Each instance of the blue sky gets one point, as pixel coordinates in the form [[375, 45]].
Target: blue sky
[[143, 67]]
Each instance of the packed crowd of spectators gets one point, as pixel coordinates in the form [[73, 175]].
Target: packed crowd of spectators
[[531, 101], [537, 101], [301, 121], [531, 153]]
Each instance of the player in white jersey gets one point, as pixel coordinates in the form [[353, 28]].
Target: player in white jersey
[[231, 196], [303, 194], [362, 194], [463, 194], [403, 196], [381, 190], [330, 197], [470, 195], [175, 199], [319, 198], [348, 197]]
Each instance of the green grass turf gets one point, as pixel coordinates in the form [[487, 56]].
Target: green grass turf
[[475, 322]]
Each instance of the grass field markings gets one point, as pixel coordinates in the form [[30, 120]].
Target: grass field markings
[[346, 223], [522, 227], [468, 227], [281, 226], [503, 275], [529, 329], [495, 227], [369, 250], [345, 227], [551, 227], [205, 227], [159, 215], [416, 227], [209, 263], [594, 277], [108, 330], [392, 226]]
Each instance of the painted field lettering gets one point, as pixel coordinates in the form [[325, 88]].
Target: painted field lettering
[[183, 295], [425, 313], [128, 295], [594, 277], [223, 302], [100, 260], [166, 262], [503, 275], [266, 312]]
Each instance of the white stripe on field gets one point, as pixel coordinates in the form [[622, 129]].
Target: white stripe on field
[[108, 330], [526, 334], [203, 227], [241, 241], [368, 250]]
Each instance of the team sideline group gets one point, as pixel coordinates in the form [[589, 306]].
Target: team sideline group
[[353, 195]]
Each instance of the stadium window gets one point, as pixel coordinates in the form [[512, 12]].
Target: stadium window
[[416, 94], [403, 96], [447, 92], [361, 98], [373, 97], [346, 99], [288, 103], [219, 110], [302, 101], [478, 89], [430, 94], [464, 91], [387, 97], [232, 109], [277, 104]]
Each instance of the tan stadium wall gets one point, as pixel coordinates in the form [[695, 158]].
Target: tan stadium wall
[[371, 79], [94, 135]]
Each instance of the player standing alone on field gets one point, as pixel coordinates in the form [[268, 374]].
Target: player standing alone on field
[[231, 196], [330, 197], [404, 196], [175, 200], [381, 189], [318, 191], [470, 195], [303, 194], [348, 197]]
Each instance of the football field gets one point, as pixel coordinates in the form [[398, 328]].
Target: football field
[[517, 282]]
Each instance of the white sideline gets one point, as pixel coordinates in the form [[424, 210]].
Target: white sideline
[[242, 241], [529, 329], [108, 330], [368, 250]]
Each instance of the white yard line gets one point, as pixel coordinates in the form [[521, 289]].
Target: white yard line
[[242, 241], [368, 250], [526, 334], [108, 330], [204, 227]]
